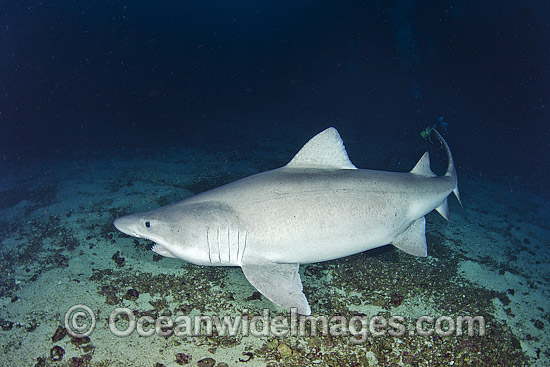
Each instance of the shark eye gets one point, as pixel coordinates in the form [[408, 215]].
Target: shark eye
[[147, 224]]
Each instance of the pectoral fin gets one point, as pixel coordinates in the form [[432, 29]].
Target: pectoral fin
[[413, 239], [280, 283]]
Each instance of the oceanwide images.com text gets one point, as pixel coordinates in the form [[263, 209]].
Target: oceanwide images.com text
[[80, 321]]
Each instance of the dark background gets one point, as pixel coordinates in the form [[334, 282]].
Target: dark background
[[93, 75]]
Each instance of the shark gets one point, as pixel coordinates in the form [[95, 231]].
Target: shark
[[318, 207]]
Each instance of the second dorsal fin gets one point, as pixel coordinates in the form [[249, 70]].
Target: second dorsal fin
[[422, 167]]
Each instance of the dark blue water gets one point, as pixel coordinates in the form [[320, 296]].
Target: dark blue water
[[86, 76]]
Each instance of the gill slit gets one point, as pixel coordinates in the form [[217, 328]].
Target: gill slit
[[244, 247], [219, 251], [238, 243], [208, 241], [229, 243]]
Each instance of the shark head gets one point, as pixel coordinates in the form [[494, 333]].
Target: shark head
[[153, 227], [171, 231], [179, 230]]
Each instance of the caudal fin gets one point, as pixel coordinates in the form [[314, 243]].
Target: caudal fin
[[451, 170]]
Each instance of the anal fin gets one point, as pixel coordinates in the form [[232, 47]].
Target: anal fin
[[280, 283], [443, 209]]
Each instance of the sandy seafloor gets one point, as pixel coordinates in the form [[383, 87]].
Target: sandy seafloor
[[57, 245]]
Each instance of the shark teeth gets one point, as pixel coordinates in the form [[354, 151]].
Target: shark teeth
[[161, 250], [158, 248]]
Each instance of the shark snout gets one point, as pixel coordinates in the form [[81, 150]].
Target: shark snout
[[125, 225]]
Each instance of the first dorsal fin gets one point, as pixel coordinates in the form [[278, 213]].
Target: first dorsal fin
[[422, 167], [324, 151]]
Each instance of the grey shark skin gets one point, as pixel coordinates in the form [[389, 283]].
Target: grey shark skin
[[318, 207]]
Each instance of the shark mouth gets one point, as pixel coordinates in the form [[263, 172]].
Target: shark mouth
[[159, 249]]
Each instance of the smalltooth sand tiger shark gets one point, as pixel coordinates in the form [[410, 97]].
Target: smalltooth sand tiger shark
[[318, 207]]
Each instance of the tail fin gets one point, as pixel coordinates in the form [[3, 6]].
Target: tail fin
[[451, 170]]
